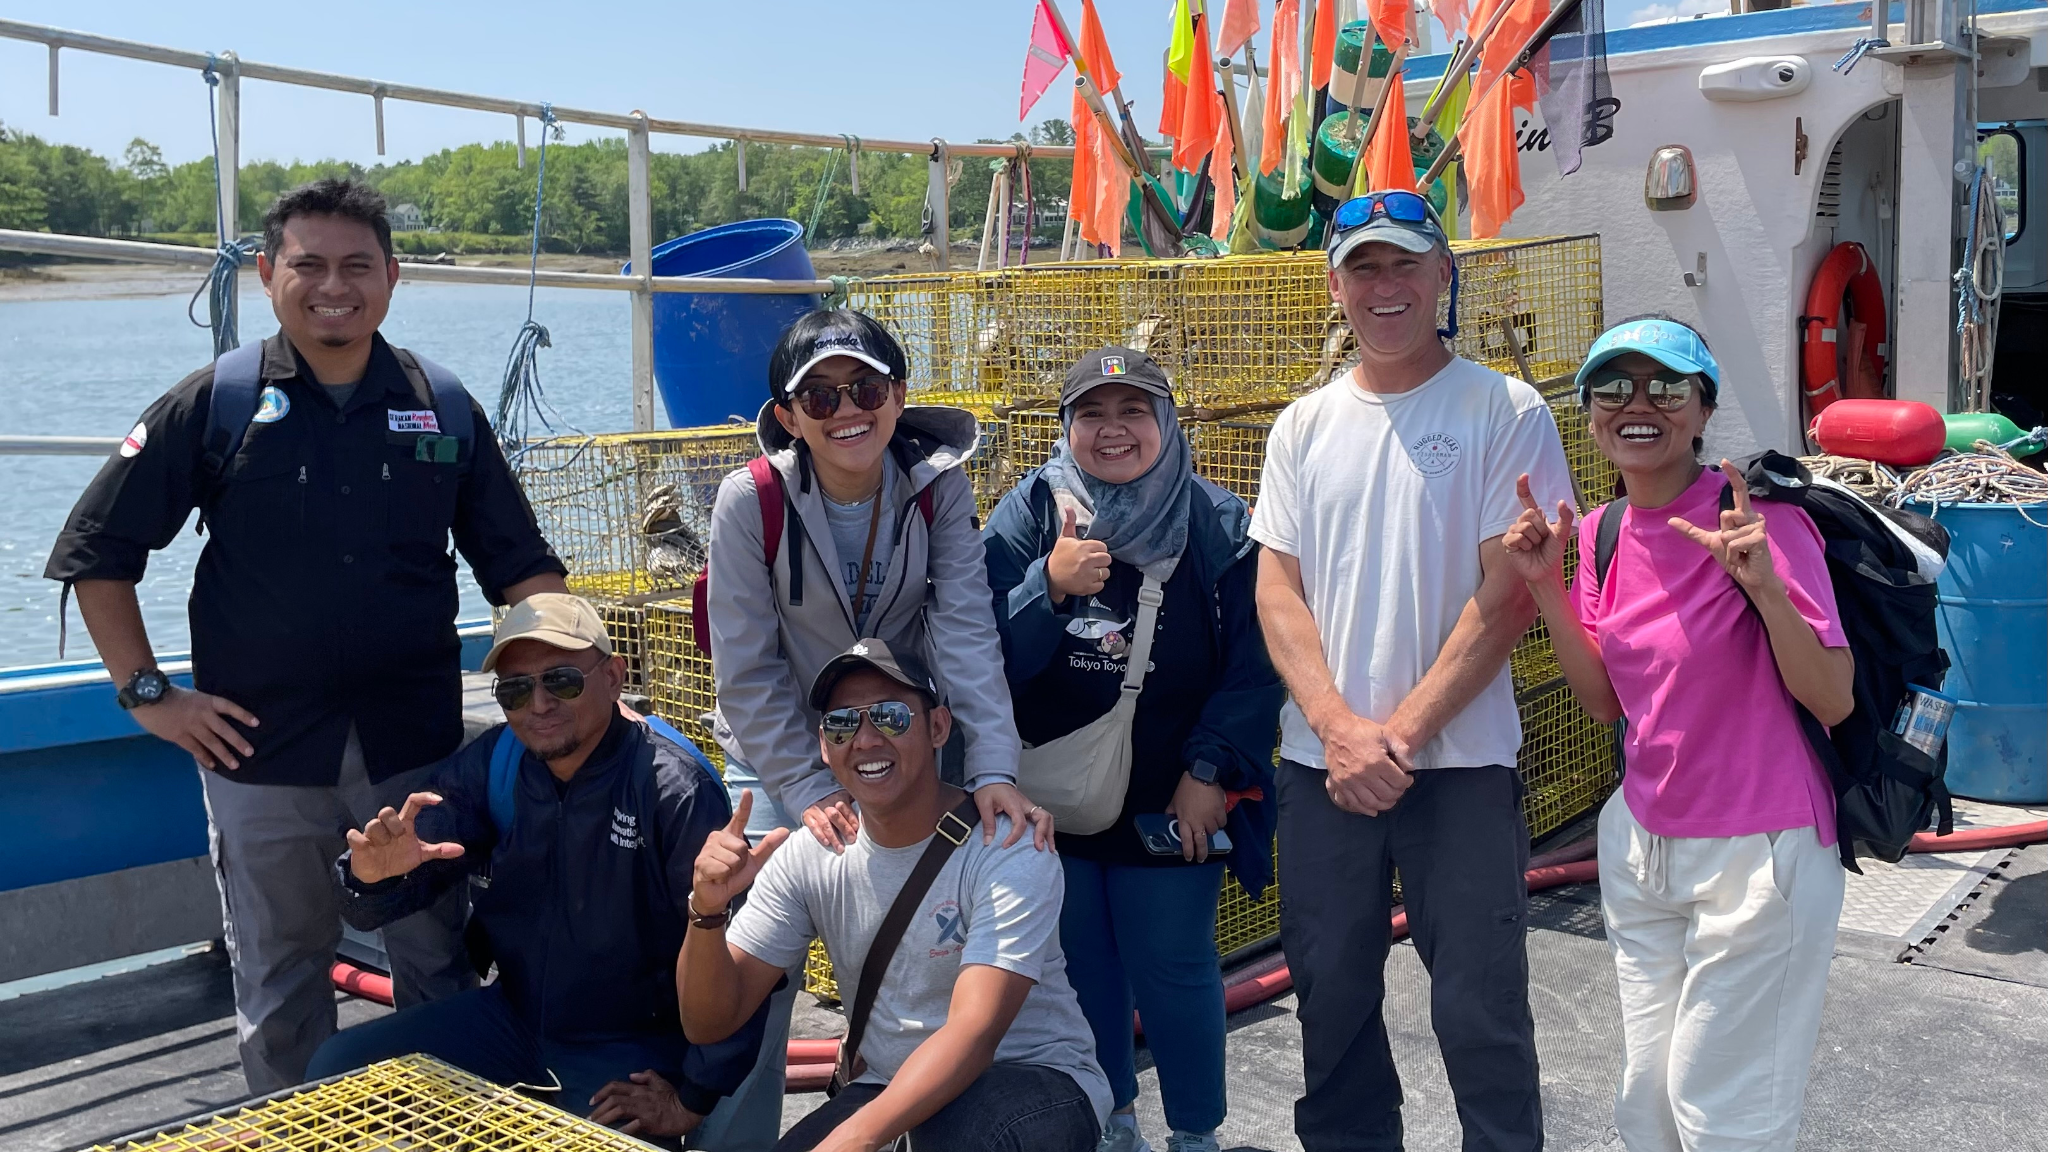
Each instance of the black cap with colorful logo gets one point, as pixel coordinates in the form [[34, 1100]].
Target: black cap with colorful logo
[[1115, 365]]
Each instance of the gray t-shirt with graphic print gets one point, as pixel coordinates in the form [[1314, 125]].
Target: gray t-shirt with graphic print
[[989, 905], [849, 524]]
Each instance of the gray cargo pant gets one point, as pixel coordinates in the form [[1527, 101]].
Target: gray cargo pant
[[273, 848]]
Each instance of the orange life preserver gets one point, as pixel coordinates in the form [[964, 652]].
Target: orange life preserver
[[1846, 274]]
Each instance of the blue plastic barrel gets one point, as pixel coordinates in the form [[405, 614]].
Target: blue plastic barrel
[[711, 348], [1993, 621]]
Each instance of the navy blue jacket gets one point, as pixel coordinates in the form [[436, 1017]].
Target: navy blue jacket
[[582, 899], [1237, 718]]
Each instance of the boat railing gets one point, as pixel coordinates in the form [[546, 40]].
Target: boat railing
[[229, 70]]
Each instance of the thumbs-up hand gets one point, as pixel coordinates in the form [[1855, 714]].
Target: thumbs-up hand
[[1076, 567], [727, 865], [387, 846]]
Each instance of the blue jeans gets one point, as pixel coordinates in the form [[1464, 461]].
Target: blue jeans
[[1146, 938], [479, 1033], [1009, 1108]]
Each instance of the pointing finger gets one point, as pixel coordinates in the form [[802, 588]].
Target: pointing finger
[[738, 824], [1737, 485], [1522, 492]]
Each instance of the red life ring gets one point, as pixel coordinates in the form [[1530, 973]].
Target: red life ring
[[1847, 275]]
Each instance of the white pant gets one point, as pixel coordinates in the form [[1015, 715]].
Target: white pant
[[1722, 947]]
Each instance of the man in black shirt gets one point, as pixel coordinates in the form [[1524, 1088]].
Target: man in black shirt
[[324, 650]]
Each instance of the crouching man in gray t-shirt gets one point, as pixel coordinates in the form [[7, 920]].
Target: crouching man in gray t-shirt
[[975, 1039]]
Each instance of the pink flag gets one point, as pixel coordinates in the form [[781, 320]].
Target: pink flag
[[1240, 20], [1044, 59]]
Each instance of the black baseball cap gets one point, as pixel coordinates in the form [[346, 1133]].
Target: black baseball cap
[[905, 669], [827, 332], [1115, 365]]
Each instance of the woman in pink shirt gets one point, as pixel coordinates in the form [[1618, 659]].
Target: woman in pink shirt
[[1718, 879]]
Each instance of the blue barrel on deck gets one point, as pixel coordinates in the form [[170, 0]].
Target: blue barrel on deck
[[711, 348], [1993, 621]]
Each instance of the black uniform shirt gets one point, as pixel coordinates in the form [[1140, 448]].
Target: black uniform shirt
[[326, 593]]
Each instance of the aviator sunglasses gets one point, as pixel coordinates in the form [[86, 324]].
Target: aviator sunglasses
[[1612, 388], [516, 692], [890, 717], [820, 401]]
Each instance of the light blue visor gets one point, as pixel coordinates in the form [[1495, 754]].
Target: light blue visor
[[1673, 345]]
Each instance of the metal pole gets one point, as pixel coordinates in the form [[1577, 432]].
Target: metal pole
[[53, 79], [58, 445], [378, 102], [640, 227], [519, 126], [230, 160], [938, 201]]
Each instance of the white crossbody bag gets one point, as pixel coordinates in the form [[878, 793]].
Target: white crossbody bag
[[1081, 777]]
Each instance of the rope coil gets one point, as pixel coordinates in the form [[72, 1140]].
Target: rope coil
[[521, 400], [223, 281]]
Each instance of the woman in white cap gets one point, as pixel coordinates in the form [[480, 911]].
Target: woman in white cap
[[1704, 619], [1113, 564]]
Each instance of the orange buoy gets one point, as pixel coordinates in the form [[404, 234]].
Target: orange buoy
[[1846, 277], [1903, 433]]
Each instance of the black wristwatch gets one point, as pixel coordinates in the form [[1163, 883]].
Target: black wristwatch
[[1203, 772], [147, 686]]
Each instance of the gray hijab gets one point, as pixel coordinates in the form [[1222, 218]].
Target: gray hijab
[[1143, 522]]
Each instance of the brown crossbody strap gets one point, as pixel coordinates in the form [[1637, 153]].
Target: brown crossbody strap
[[953, 830]]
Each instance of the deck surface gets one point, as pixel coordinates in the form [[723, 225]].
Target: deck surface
[[1933, 1042]]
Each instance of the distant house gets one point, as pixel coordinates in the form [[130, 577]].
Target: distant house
[[407, 218]]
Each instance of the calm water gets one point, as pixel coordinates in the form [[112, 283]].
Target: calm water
[[89, 367]]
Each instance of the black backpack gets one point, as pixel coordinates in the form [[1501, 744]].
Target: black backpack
[[1886, 790]]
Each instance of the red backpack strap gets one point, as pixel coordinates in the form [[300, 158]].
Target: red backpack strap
[[924, 504], [769, 492]]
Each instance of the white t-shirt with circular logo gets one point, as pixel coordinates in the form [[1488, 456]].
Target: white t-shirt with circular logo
[[1385, 498]]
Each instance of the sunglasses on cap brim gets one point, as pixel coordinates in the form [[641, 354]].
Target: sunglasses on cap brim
[[1395, 204]]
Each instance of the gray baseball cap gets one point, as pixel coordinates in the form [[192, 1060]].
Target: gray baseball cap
[[1115, 364]]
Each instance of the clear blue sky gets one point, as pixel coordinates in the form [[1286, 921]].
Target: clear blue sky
[[904, 69]]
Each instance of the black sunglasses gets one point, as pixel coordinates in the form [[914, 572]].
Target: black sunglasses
[[1612, 388], [890, 717], [820, 401], [516, 692]]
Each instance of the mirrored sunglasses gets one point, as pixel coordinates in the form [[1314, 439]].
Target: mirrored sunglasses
[[890, 717], [1612, 388], [1394, 204]]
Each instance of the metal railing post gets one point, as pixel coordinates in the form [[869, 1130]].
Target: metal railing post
[[938, 201], [640, 227], [230, 159]]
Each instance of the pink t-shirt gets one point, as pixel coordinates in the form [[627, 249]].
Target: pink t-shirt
[[1714, 746]]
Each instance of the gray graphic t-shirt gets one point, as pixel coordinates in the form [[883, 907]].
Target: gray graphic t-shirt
[[849, 524], [989, 905]]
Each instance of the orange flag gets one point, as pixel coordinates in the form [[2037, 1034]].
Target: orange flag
[[1389, 162], [1285, 72], [1095, 51], [1202, 109], [1322, 55], [1493, 162], [1521, 23], [1393, 21], [1223, 174], [1240, 22], [1081, 193]]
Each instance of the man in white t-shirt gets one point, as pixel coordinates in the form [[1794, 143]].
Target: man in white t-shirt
[[1390, 610], [975, 1038]]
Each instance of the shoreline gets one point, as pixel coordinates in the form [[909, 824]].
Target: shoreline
[[110, 280]]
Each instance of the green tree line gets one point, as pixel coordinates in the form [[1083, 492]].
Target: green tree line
[[481, 190]]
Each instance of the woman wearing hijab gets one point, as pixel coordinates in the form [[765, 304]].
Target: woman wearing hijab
[[1074, 552]]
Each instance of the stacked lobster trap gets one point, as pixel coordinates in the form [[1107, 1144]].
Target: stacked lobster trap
[[1240, 337]]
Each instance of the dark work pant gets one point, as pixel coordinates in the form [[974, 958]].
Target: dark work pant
[[1009, 1108], [1462, 845]]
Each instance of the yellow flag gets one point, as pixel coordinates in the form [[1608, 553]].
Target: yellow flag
[[1446, 127], [1180, 53]]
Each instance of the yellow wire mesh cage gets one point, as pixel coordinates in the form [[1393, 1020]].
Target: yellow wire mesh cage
[[414, 1102]]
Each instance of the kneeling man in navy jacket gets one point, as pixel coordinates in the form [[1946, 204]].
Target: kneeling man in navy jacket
[[576, 827]]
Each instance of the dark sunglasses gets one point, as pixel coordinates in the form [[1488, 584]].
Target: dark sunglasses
[[820, 401], [890, 717], [1612, 388], [1394, 204], [516, 692]]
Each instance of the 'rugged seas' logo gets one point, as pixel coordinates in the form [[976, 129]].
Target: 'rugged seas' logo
[[1435, 455]]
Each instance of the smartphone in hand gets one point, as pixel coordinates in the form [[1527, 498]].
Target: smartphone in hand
[[1160, 834]]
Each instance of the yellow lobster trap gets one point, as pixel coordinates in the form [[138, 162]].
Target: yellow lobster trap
[[1240, 337]]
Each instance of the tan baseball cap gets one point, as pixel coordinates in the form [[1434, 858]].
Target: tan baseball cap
[[554, 618]]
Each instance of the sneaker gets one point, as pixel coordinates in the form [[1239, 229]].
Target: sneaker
[[1122, 1135], [1191, 1142]]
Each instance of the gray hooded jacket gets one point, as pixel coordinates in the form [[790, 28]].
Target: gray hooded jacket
[[766, 650]]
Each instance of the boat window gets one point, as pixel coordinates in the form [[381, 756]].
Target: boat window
[[2002, 151]]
